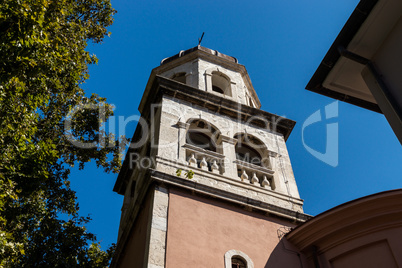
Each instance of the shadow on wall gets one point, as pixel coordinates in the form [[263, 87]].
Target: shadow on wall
[[285, 255]]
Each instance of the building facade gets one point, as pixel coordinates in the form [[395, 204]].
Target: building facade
[[207, 181]]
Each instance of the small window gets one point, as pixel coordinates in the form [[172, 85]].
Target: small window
[[238, 262], [221, 84], [237, 259]]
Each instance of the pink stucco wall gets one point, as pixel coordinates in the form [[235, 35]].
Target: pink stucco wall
[[135, 249], [201, 230]]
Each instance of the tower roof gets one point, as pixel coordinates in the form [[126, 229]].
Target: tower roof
[[220, 60], [200, 48]]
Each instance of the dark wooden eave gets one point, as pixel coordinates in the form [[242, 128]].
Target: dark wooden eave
[[345, 36]]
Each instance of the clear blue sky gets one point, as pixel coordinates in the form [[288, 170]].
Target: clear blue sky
[[281, 43]]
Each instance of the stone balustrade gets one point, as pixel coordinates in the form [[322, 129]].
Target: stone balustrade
[[204, 159], [256, 175], [214, 162]]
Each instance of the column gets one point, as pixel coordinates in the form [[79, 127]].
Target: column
[[208, 81], [182, 129]]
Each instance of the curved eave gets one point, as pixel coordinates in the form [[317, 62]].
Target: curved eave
[[353, 218]]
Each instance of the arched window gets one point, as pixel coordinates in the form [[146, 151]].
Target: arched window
[[238, 262], [202, 135], [200, 139], [221, 83], [180, 77], [237, 259], [251, 150], [246, 153], [204, 146], [253, 163]]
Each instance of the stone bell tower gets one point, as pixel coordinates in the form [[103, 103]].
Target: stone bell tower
[[207, 181]]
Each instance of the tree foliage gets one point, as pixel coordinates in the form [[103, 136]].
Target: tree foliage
[[43, 63]]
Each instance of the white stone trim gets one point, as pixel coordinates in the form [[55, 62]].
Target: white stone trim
[[233, 252], [196, 149], [157, 240], [183, 125], [254, 167], [228, 139]]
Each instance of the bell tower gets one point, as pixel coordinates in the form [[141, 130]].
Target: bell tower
[[207, 180]]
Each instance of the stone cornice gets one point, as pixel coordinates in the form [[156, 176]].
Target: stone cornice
[[243, 201], [162, 86]]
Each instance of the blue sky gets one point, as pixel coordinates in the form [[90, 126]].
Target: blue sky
[[281, 43]]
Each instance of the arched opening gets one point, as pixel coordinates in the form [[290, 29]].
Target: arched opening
[[180, 77], [200, 139], [251, 150], [203, 146], [238, 262], [247, 154], [221, 84], [202, 135], [237, 259], [253, 164]]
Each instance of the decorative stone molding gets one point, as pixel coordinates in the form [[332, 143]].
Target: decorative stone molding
[[181, 124], [253, 167], [234, 184], [195, 149], [273, 154], [233, 252], [228, 139]]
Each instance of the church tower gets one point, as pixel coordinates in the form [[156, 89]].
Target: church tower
[[207, 181]]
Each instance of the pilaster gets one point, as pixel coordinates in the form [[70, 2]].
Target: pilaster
[[157, 238], [228, 149], [181, 152]]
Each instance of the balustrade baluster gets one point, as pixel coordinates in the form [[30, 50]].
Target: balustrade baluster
[[192, 161], [214, 166], [254, 180], [265, 183], [204, 164]]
